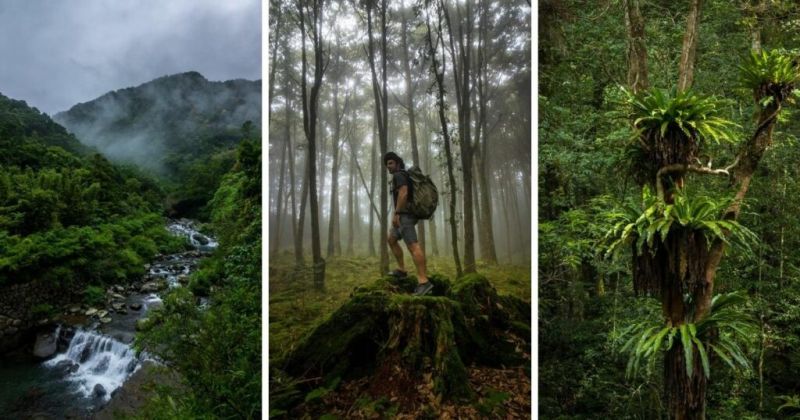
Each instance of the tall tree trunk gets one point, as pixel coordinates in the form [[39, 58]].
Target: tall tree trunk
[[507, 216], [637, 51], [380, 93], [429, 169], [351, 207], [689, 50], [276, 13], [277, 236], [461, 59], [485, 230], [409, 99], [333, 238], [441, 104], [301, 223], [373, 174], [310, 104]]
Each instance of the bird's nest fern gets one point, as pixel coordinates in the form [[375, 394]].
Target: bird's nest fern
[[722, 332]]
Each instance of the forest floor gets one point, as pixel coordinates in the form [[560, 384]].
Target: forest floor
[[296, 307]]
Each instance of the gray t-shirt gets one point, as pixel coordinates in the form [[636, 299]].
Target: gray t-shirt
[[399, 179]]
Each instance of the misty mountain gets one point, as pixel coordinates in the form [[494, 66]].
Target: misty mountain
[[164, 124]]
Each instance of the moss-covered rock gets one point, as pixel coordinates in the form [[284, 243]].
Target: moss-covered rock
[[398, 340]]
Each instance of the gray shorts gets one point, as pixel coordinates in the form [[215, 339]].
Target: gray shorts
[[406, 231]]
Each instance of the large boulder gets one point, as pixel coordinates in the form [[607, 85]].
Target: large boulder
[[46, 345]]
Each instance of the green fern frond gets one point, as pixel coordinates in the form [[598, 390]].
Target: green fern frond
[[693, 114]]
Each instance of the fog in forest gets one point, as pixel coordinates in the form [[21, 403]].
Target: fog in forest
[[486, 99]]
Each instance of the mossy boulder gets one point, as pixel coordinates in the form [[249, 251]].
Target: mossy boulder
[[398, 340]]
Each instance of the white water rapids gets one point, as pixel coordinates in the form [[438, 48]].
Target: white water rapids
[[94, 364]]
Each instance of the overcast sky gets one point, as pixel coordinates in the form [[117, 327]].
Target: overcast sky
[[57, 53]]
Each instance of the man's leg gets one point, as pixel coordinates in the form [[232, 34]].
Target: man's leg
[[397, 251], [419, 260]]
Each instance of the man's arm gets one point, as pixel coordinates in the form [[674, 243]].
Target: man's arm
[[402, 198]]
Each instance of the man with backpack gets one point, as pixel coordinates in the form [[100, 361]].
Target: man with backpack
[[403, 221]]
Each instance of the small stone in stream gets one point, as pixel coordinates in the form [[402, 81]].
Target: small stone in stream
[[135, 306], [102, 314], [118, 306], [202, 240], [105, 320], [99, 390], [119, 288], [45, 346], [74, 309], [117, 296], [90, 312], [122, 312]]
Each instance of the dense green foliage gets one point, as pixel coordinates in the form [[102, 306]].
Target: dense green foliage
[[68, 219], [217, 350], [587, 308]]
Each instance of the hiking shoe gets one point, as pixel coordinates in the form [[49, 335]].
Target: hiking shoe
[[400, 274], [423, 289]]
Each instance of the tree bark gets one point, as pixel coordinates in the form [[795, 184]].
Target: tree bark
[[689, 50], [637, 51], [373, 174], [380, 93], [277, 236], [310, 104], [439, 76], [462, 63], [334, 243]]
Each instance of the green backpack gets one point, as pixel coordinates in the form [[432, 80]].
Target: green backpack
[[424, 195]]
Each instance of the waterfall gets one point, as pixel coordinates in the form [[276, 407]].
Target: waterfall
[[197, 239], [94, 359]]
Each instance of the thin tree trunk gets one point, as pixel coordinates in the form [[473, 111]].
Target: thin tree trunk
[[409, 99], [637, 51], [310, 104], [439, 75], [333, 237], [277, 236], [351, 206], [689, 50], [460, 55], [380, 93], [373, 162]]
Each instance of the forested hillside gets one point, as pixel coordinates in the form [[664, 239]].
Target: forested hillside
[[181, 128], [70, 220], [668, 274]]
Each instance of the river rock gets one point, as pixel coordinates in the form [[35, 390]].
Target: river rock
[[102, 314], [90, 312], [153, 286], [105, 320], [67, 366], [202, 240], [135, 306], [74, 309], [119, 288], [45, 346], [99, 390], [118, 306], [11, 331], [117, 296], [17, 323]]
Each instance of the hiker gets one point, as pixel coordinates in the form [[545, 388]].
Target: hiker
[[403, 224]]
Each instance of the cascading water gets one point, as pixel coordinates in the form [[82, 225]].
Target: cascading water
[[98, 364]]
